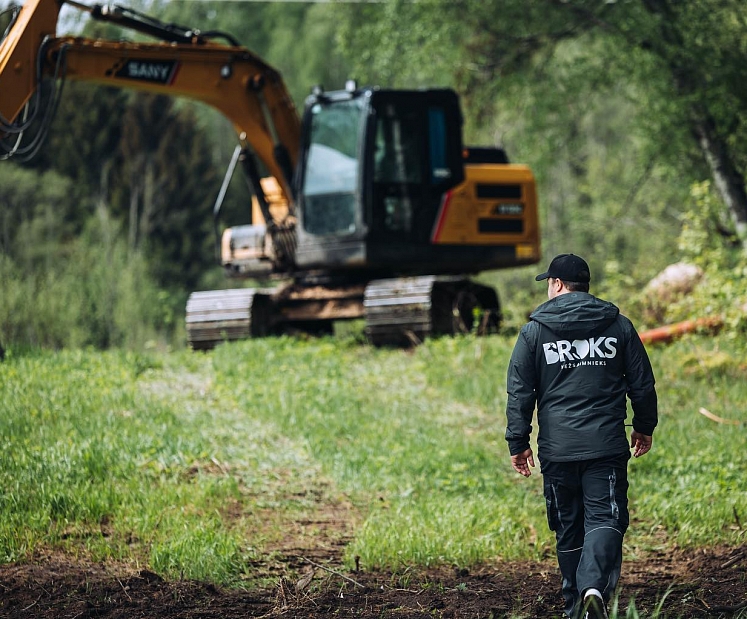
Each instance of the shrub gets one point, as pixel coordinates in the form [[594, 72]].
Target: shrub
[[91, 292]]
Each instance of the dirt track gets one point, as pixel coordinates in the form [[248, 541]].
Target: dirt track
[[711, 583]]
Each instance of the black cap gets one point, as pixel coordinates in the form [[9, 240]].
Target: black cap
[[567, 267]]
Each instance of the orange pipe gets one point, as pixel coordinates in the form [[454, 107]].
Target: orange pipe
[[669, 332]]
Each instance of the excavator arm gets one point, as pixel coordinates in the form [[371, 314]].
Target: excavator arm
[[228, 77]]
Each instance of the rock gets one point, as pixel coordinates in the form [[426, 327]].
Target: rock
[[675, 281]]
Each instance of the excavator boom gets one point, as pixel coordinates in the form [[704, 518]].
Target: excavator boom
[[230, 78]]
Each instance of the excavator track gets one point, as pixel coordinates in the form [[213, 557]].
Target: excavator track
[[405, 311], [398, 312], [217, 316]]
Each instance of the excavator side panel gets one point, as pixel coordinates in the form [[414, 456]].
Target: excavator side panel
[[496, 205]]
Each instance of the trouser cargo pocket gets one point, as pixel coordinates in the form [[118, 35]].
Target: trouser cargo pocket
[[551, 507]]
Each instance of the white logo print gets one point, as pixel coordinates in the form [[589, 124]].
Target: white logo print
[[582, 348], [564, 351]]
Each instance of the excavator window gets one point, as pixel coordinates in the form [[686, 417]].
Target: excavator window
[[414, 162], [398, 150], [331, 175], [398, 164], [378, 162], [403, 136]]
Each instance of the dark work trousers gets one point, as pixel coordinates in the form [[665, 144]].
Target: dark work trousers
[[587, 508]]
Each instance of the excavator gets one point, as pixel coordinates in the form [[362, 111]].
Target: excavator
[[367, 206]]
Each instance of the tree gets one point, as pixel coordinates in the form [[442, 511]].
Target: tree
[[34, 215], [697, 44], [162, 186], [684, 59], [82, 143], [298, 39]]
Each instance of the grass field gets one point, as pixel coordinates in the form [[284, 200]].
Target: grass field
[[192, 464]]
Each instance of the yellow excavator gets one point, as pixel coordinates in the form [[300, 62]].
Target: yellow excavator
[[369, 206]]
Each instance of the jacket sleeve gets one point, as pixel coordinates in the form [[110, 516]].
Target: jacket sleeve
[[522, 392], [640, 378]]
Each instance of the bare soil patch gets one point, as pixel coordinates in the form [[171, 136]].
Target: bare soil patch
[[703, 583]]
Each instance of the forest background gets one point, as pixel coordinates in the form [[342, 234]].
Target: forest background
[[631, 114]]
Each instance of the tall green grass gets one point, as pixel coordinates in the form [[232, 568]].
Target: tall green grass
[[120, 455], [197, 464]]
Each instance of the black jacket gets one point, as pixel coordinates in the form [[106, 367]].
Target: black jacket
[[577, 360]]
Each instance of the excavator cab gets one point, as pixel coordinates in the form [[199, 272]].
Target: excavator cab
[[375, 166]]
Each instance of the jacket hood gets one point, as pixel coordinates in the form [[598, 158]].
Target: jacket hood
[[576, 314]]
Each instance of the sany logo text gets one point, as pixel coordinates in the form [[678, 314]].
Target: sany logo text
[[149, 71], [162, 72], [593, 348]]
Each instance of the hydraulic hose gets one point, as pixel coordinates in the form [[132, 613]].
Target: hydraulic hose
[[25, 153]]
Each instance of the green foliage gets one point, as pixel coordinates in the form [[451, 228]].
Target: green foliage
[[632, 612], [83, 141], [130, 455], [703, 486], [387, 42], [94, 293], [601, 99], [704, 242], [201, 550], [164, 185], [298, 39], [143, 158], [36, 214]]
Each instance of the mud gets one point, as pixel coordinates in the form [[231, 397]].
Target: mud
[[698, 583]]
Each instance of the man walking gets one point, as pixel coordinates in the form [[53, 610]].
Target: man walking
[[576, 360]]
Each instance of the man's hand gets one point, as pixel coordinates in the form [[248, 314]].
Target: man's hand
[[640, 443], [521, 462]]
